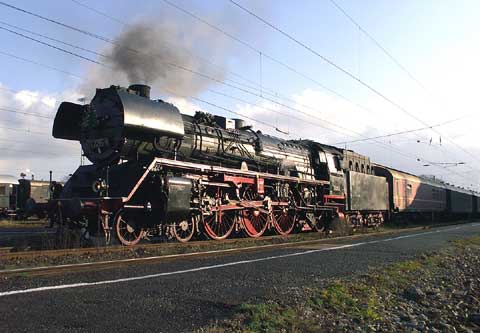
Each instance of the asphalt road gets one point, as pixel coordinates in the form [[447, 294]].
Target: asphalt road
[[182, 295]]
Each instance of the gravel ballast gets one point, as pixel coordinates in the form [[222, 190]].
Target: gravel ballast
[[436, 292]]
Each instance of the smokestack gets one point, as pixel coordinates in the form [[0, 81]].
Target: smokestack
[[141, 90]]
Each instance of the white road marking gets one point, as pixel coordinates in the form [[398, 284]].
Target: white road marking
[[204, 268]]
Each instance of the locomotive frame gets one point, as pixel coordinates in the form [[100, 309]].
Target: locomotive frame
[[206, 198]]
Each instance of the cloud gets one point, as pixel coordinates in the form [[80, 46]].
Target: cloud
[[49, 101], [26, 120], [184, 105], [27, 98], [317, 113]]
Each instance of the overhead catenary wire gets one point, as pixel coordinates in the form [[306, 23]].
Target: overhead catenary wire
[[401, 132], [377, 43], [263, 53], [106, 39], [54, 47], [256, 50], [52, 39], [40, 64], [168, 45], [328, 61], [192, 71], [99, 12], [5, 109], [205, 76], [248, 45], [27, 130], [343, 70], [402, 67], [27, 151]]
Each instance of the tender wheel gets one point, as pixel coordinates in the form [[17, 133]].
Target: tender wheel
[[283, 220], [220, 224], [128, 233], [184, 230], [255, 222]]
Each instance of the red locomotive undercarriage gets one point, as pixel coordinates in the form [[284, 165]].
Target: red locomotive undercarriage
[[221, 201]]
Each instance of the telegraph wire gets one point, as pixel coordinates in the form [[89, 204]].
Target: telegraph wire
[[330, 62], [39, 64], [24, 130], [187, 69], [85, 32], [4, 109], [217, 106], [377, 43], [205, 76], [100, 12], [263, 97], [207, 61], [181, 67], [346, 72], [54, 21], [188, 13], [402, 132], [52, 39], [256, 50], [105, 39], [403, 68], [53, 46], [27, 151], [409, 156], [266, 108], [263, 54]]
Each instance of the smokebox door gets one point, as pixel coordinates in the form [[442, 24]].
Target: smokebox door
[[67, 121]]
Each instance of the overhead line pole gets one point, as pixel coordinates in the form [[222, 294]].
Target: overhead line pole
[[181, 67]]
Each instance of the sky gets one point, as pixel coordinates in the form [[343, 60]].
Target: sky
[[258, 74]]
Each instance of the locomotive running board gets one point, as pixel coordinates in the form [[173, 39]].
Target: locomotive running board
[[158, 162]]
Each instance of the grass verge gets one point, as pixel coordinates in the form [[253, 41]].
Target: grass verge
[[435, 292]]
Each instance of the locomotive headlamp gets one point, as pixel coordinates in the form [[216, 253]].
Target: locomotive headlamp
[[148, 206], [99, 186]]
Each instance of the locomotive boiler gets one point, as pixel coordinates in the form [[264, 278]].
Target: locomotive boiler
[[156, 171]]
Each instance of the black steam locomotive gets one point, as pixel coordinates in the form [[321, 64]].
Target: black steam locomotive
[[156, 171]]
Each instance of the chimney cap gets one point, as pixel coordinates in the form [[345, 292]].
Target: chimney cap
[[142, 90]]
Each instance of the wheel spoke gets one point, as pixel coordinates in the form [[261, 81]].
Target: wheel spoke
[[283, 220], [122, 227], [184, 230], [254, 222], [219, 225]]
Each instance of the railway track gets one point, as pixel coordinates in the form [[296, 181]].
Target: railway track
[[181, 251], [164, 245]]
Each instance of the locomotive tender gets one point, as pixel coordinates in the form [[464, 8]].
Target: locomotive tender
[[157, 172]]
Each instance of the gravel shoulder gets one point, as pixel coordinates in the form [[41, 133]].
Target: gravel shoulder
[[435, 292]]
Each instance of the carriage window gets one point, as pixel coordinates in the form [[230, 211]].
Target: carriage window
[[3, 190]]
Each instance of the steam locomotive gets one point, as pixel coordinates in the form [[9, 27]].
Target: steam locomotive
[[156, 171]]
